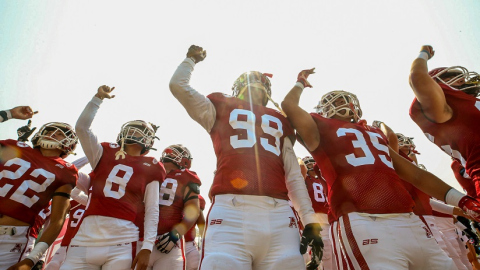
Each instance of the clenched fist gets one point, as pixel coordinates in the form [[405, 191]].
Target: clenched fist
[[196, 53]]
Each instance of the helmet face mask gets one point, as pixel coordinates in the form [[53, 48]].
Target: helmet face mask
[[248, 80], [309, 162], [44, 138], [328, 105], [137, 132], [451, 76], [178, 155]]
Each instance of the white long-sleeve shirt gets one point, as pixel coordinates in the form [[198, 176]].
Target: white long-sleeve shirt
[[102, 230], [202, 110]]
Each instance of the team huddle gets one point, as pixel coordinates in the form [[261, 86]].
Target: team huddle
[[360, 201]]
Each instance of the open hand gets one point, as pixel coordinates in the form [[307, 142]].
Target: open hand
[[105, 92], [303, 76]]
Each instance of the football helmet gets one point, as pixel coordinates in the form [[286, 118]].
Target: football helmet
[[250, 78], [178, 155], [327, 107], [451, 75], [309, 161], [137, 131], [43, 138]]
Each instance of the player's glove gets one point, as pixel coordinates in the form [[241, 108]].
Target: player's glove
[[167, 241], [38, 265], [311, 237], [377, 124], [470, 206], [303, 76], [25, 132]]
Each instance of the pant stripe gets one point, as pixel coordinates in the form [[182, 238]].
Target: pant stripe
[[346, 257], [353, 244], [334, 243]]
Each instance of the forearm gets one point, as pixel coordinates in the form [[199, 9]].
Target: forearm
[[81, 162], [151, 214], [200, 108], [292, 99], [297, 191], [89, 141]]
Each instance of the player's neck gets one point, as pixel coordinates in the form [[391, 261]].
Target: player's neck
[[170, 167], [50, 152], [133, 149]]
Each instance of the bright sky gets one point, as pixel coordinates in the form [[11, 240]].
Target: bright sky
[[54, 55]]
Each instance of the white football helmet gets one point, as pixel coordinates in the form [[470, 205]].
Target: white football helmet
[[252, 78], [177, 154], [451, 75], [137, 131], [308, 160], [43, 138], [327, 108]]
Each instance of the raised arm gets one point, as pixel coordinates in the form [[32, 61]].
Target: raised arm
[[428, 92], [300, 119], [199, 107], [391, 136], [89, 141]]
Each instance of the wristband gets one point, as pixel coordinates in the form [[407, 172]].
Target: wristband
[[37, 252], [453, 196], [300, 85], [424, 55], [5, 115], [193, 60]]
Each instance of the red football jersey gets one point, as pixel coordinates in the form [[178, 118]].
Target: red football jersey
[[118, 186], [355, 162], [40, 220], [460, 136], [28, 180], [463, 179], [190, 235], [248, 141], [317, 190], [74, 217], [421, 199], [171, 198]]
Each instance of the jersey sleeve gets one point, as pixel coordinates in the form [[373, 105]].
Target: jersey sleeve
[[197, 105]]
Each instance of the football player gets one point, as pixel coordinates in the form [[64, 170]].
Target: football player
[[192, 254], [19, 112], [374, 226], [317, 190], [122, 179], [250, 224], [406, 148], [179, 208], [29, 179], [447, 109]]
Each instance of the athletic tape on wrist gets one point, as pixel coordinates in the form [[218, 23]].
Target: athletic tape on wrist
[[453, 196], [37, 252], [300, 85], [423, 55]]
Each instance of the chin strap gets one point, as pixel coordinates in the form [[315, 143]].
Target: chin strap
[[121, 153]]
